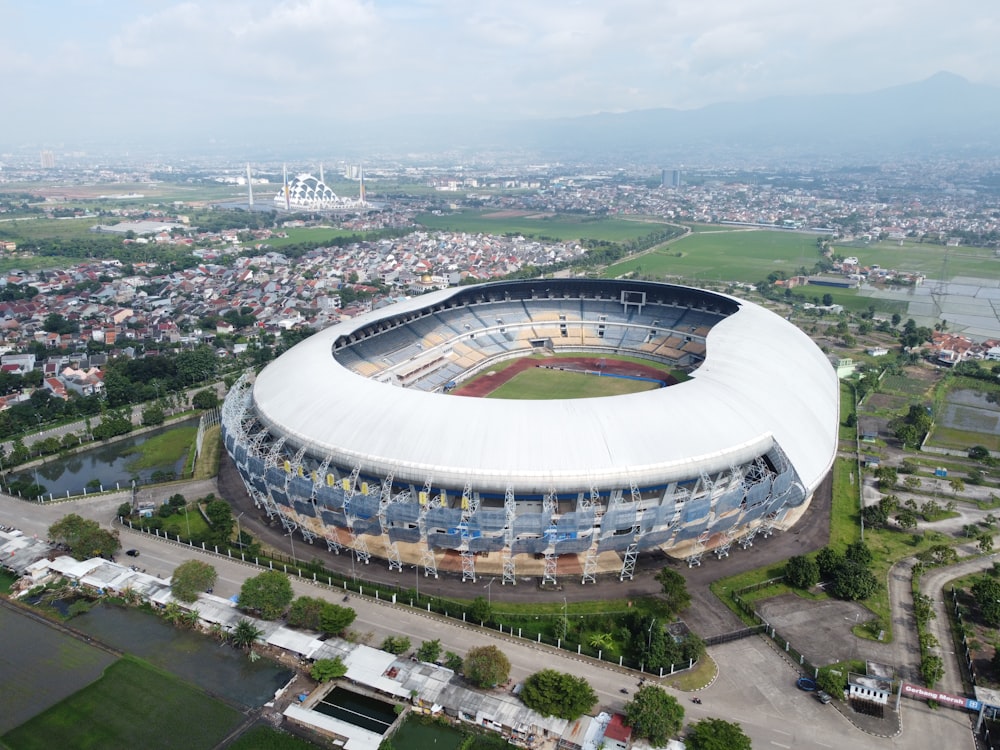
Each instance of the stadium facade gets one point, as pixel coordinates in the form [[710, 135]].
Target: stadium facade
[[352, 437]]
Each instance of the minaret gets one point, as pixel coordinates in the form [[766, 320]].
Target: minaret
[[362, 190], [249, 187], [284, 181], [321, 173]]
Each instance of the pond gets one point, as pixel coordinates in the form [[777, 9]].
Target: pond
[[110, 464], [219, 669]]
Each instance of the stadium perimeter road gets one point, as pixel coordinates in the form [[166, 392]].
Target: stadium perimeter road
[[755, 685]]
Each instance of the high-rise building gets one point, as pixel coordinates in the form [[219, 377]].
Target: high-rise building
[[48, 160]]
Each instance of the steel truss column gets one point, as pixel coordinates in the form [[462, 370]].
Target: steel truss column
[[319, 479], [510, 511], [727, 542], [746, 541], [590, 562], [697, 550], [632, 551], [427, 559], [358, 543], [297, 468], [469, 507], [384, 501]]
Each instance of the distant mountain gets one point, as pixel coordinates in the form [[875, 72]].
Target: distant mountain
[[942, 115]]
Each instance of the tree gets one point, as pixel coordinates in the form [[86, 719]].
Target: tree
[[978, 452], [553, 693], [486, 666], [853, 581], [335, 619], [716, 734], [906, 519], [674, 590], [931, 669], [875, 516], [986, 592], [801, 572], [453, 661], [912, 482], [429, 650], [654, 715], [84, 538], [985, 543], [957, 485], [220, 516], [153, 415], [887, 477], [207, 399], [190, 578], [480, 610], [395, 644], [268, 593], [245, 634], [324, 670], [306, 612]]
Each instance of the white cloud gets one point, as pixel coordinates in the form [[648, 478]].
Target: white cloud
[[351, 59]]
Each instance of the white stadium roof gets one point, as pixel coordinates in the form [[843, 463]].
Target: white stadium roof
[[762, 380]]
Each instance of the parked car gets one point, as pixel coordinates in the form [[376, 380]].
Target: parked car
[[823, 697], [132, 552]]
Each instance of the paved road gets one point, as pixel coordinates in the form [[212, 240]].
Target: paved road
[[755, 685], [932, 584]]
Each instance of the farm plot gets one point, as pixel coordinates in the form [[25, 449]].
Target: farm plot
[[41, 666]]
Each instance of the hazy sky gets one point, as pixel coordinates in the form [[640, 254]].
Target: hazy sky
[[74, 67]]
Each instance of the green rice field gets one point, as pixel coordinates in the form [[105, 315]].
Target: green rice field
[[133, 705], [746, 255], [41, 666], [537, 384], [978, 262]]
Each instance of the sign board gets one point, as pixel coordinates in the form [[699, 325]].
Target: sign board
[[954, 701]]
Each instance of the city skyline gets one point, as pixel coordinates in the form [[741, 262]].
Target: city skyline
[[203, 73]]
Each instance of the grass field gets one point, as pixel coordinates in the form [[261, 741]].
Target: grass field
[[562, 227], [538, 384], [132, 705], [310, 234], [979, 262], [268, 738], [164, 449], [725, 255]]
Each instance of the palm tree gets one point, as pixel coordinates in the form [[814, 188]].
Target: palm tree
[[190, 618], [172, 613], [245, 634], [601, 640]]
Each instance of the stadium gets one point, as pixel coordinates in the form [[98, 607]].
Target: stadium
[[357, 437]]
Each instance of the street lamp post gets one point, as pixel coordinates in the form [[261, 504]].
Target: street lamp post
[[291, 539], [239, 533], [489, 593]]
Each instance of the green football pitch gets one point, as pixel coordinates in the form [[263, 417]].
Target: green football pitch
[[539, 384]]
